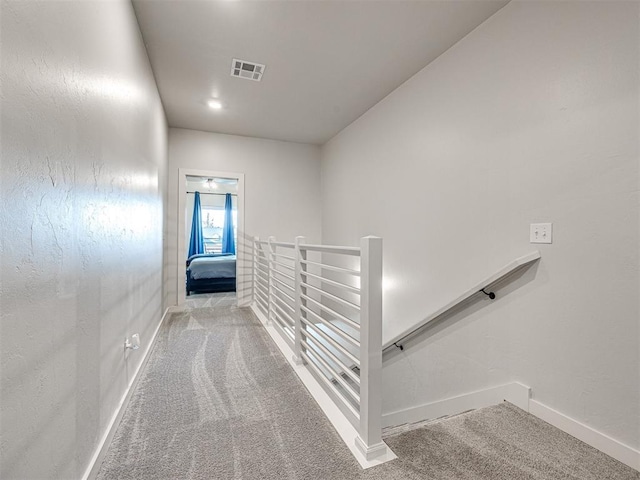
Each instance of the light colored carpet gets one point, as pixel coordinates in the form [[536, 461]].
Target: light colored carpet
[[218, 401], [200, 300]]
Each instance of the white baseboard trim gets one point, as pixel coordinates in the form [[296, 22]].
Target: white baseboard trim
[[515, 393], [342, 425], [96, 460], [519, 395], [615, 449]]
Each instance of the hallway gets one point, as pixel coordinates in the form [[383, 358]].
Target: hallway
[[218, 401], [452, 131]]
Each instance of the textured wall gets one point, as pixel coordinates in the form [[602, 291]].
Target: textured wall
[[282, 186], [83, 178], [533, 117]]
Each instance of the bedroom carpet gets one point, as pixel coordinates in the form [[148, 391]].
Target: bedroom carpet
[[217, 400]]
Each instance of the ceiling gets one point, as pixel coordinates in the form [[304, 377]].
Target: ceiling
[[327, 62]]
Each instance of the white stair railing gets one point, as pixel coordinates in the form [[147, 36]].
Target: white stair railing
[[282, 288], [326, 303], [261, 276]]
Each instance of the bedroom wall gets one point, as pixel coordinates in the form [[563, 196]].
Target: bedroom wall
[[533, 117], [282, 186], [83, 176]]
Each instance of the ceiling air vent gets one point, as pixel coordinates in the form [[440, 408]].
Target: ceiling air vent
[[248, 70]]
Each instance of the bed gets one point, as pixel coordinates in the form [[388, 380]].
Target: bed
[[212, 272]]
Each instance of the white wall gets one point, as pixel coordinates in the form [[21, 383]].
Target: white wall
[[84, 152], [533, 117], [281, 182]]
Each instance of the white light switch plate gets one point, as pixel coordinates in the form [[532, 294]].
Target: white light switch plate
[[541, 233]]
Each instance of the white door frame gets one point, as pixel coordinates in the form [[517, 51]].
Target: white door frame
[[182, 247]]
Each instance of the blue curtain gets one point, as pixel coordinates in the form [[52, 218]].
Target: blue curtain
[[196, 243], [228, 244]]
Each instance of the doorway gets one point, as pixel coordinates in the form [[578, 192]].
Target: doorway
[[213, 187]]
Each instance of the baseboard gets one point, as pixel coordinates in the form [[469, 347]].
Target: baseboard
[[96, 460], [515, 393], [343, 426], [258, 313], [519, 395], [615, 449]]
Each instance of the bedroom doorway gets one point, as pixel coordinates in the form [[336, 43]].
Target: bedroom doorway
[[212, 261]]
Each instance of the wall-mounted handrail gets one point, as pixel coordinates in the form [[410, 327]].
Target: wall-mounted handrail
[[507, 270]]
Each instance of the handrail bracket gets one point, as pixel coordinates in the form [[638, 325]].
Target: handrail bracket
[[491, 295]]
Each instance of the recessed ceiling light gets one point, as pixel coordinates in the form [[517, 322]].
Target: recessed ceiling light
[[215, 104]]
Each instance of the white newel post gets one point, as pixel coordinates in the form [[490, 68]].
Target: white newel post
[[369, 440], [271, 258], [299, 267]]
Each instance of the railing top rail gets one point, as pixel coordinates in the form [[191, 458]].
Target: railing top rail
[[331, 249], [504, 272]]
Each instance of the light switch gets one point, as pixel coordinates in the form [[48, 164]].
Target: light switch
[[540, 233]]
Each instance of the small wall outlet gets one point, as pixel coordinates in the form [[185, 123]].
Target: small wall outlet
[[133, 343], [541, 233]]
